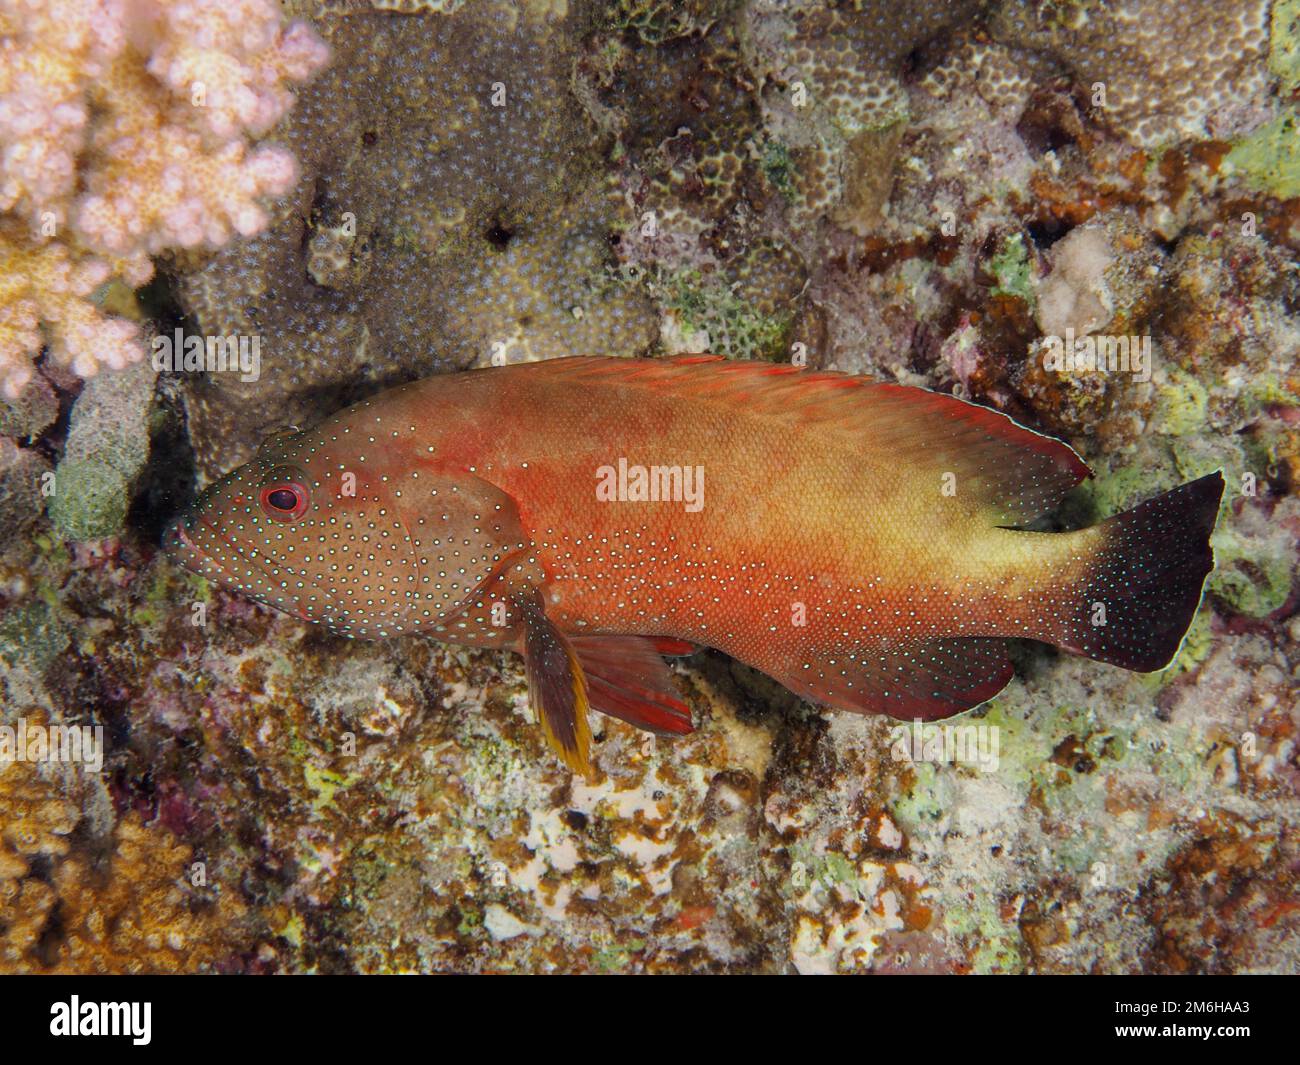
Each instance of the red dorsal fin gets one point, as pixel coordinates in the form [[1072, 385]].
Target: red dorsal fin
[[1004, 473], [627, 679]]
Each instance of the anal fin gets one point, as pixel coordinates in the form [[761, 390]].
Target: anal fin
[[922, 680], [666, 645], [627, 679]]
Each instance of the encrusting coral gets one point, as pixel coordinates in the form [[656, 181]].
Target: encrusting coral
[[1133, 59], [126, 130], [67, 905], [449, 214]]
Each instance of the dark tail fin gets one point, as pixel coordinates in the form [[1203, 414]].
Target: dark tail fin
[[1146, 583]]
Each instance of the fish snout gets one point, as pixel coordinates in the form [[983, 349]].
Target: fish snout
[[177, 544]]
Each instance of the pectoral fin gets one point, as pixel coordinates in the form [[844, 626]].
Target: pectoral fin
[[557, 688]]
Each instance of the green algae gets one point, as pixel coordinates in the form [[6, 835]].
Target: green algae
[[997, 947], [1284, 44], [829, 869], [168, 585], [1251, 576], [33, 633], [470, 922], [1197, 644], [1012, 269], [1023, 747], [657, 21], [1079, 851], [1269, 387], [1253, 562], [324, 783], [920, 805], [1117, 491], [89, 500], [1269, 159], [616, 958], [1181, 405], [778, 167], [734, 328]]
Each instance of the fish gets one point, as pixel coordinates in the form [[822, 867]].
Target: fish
[[871, 546]]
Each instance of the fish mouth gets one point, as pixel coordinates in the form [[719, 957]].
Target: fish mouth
[[179, 547], [182, 549]]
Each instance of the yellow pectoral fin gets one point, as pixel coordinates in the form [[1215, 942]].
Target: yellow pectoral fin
[[557, 690]]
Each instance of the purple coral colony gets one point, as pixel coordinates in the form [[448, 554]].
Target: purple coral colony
[[222, 222]]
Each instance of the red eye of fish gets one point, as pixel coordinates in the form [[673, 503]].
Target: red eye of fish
[[286, 501]]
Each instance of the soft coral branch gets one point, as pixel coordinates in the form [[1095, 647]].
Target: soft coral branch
[[125, 131]]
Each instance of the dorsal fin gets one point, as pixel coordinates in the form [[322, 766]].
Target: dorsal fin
[[1009, 474]]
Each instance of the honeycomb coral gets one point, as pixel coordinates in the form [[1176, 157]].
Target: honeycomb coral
[[1001, 77], [699, 181], [449, 213], [656, 21], [1131, 57], [843, 100]]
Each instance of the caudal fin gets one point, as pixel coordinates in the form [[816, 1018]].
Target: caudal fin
[[1147, 579]]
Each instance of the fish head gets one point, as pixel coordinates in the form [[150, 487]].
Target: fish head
[[256, 531], [372, 543]]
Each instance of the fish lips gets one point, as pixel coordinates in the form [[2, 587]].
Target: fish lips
[[181, 549], [226, 566]]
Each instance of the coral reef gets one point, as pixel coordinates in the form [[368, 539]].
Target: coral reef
[[106, 448], [836, 97], [130, 908], [1131, 58], [1075, 295], [449, 214], [45, 297], [21, 473], [928, 193]]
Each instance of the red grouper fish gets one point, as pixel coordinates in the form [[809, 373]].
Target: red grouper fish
[[862, 543]]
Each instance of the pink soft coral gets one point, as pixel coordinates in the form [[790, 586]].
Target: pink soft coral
[[42, 285], [125, 130]]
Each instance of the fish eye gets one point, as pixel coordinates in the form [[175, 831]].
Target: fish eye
[[284, 498]]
